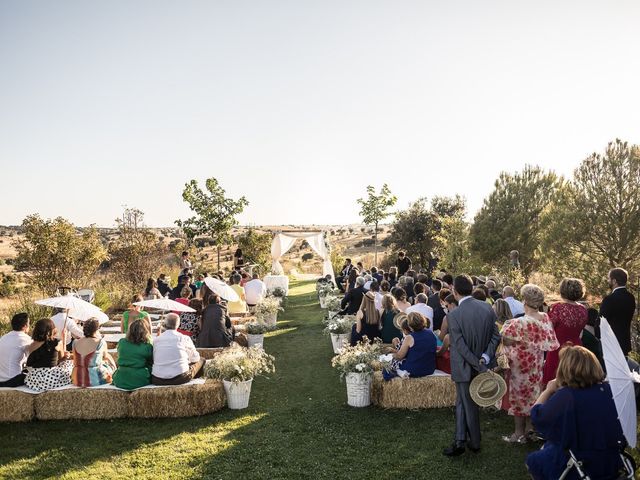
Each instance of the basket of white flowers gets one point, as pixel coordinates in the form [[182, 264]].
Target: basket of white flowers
[[356, 365], [339, 329]]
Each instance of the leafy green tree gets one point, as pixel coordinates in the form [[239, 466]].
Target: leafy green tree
[[215, 214], [416, 231], [256, 248], [375, 208], [510, 217], [55, 253]]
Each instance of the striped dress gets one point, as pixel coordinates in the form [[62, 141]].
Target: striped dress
[[91, 370]]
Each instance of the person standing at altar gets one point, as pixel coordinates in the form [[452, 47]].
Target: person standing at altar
[[403, 263]]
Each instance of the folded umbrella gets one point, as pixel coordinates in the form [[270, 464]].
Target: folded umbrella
[[221, 289]]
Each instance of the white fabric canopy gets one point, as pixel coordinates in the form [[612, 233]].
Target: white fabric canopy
[[283, 241]]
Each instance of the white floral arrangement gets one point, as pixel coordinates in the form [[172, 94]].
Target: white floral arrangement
[[278, 292], [237, 364], [324, 289], [340, 325], [259, 328], [362, 358], [333, 303], [267, 307]]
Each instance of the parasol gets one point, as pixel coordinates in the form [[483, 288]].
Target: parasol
[[165, 304], [75, 308], [221, 289]]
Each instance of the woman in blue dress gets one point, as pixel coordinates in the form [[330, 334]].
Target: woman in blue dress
[[576, 412], [418, 350]]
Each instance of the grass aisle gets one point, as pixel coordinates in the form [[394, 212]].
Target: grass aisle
[[297, 426]]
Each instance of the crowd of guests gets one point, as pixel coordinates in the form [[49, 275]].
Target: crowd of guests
[[550, 355]]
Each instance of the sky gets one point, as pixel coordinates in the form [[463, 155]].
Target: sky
[[299, 105]]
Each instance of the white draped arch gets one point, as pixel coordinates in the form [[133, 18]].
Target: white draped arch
[[283, 241]]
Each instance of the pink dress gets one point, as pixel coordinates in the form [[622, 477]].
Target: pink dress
[[526, 359], [568, 320]]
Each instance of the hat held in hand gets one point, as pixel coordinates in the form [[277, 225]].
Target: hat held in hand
[[487, 388]]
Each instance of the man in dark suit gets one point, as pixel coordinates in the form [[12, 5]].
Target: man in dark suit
[[434, 298], [352, 300], [474, 339], [344, 274], [619, 307]]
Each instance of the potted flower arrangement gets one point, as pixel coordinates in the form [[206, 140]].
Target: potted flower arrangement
[[278, 292], [324, 290], [237, 367], [255, 333], [267, 310], [333, 304], [356, 365], [339, 329]]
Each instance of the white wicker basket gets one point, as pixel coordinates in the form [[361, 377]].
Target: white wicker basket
[[237, 394], [271, 319], [339, 340], [255, 339], [358, 389], [323, 302]]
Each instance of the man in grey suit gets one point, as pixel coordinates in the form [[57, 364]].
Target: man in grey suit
[[474, 339]]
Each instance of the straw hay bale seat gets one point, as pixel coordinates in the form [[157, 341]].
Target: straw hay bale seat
[[413, 393], [82, 404], [182, 401], [16, 406]]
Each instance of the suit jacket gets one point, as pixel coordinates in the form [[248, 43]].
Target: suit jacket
[[618, 308], [352, 300], [434, 301], [472, 332]]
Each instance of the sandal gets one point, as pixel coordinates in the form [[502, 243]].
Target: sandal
[[513, 438], [533, 436]]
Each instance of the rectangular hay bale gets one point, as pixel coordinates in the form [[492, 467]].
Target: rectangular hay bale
[[209, 353], [178, 401], [413, 393], [16, 406], [82, 404]]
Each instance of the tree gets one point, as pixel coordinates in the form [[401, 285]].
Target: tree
[[137, 253], [374, 209], [256, 248], [55, 253], [215, 214], [415, 230], [510, 217]]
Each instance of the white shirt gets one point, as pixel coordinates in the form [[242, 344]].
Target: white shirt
[[13, 354], [73, 330], [618, 288], [254, 291], [172, 354], [424, 309], [516, 306], [377, 301]]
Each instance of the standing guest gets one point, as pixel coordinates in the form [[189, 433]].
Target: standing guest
[[239, 306], [238, 259], [503, 312], [401, 299], [422, 308], [434, 298], [418, 350], [367, 321], [525, 340], [389, 311], [403, 263], [66, 327], [439, 312], [474, 339], [151, 292], [92, 364], [175, 358], [134, 312], [447, 281], [516, 306], [189, 321], [351, 302], [185, 262], [254, 291], [135, 358], [479, 294], [619, 307], [449, 304], [344, 274], [215, 325], [14, 350], [576, 412], [163, 285], [591, 335], [568, 318]]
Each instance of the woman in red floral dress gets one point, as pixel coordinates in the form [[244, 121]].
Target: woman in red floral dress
[[525, 340], [568, 318]]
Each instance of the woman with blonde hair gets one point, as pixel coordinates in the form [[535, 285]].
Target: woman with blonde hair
[[576, 412], [503, 311], [524, 340], [367, 320], [389, 311], [135, 358]]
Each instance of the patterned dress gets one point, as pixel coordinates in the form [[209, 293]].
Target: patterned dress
[[91, 370], [526, 360]]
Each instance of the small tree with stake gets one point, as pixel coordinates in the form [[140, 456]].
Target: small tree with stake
[[375, 208], [215, 214]]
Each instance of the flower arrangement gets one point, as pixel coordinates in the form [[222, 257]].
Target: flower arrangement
[[237, 364], [340, 325], [362, 358], [278, 292], [324, 289], [333, 303], [267, 307], [259, 328]]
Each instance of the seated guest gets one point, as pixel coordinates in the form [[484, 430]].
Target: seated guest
[[447, 281], [401, 299], [135, 358], [434, 298], [418, 350], [375, 289], [516, 306], [244, 278], [255, 290], [385, 287], [14, 350], [503, 311], [438, 312], [183, 281], [190, 321], [450, 304], [421, 307], [491, 287], [134, 312], [393, 279], [215, 325], [564, 415], [479, 294], [367, 321], [66, 326], [341, 280], [163, 285], [46, 368], [151, 292], [239, 306], [377, 276], [92, 364], [185, 295], [590, 335], [389, 311], [175, 358], [351, 280], [351, 302], [199, 281]]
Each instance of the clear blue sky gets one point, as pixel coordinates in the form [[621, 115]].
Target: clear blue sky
[[298, 105]]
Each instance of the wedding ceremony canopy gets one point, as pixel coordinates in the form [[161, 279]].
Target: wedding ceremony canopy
[[283, 241]]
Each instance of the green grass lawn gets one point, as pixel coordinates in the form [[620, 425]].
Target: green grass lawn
[[297, 426]]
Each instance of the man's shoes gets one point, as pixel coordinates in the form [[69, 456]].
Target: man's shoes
[[474, 450], [454, 450]]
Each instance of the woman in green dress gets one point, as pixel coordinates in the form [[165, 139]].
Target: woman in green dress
[[135, 357], [389, 310]]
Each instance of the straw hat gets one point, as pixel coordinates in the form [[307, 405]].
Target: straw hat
[[487, 388], [397, 320]]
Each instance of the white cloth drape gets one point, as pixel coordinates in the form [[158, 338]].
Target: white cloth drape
[[282, 242]]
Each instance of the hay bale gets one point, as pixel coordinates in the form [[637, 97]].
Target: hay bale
[[413, 393], [178, 401], [16, 406], [209, 353], [82, 404]]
